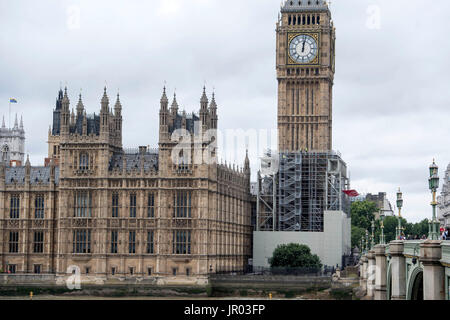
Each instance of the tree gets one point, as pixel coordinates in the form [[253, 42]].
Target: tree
[[362, 213], [357, 234], [294, 255]]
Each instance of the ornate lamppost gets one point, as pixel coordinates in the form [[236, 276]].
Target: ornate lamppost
[[399, 229], [372, 238], [433, 182], [367, 240], [382, 239]]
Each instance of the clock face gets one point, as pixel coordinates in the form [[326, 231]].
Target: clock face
[[303, 49]]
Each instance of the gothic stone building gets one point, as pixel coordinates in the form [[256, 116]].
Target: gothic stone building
[[109, 212]]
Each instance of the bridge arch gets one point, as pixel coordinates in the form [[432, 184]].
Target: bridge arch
[[415, 285]]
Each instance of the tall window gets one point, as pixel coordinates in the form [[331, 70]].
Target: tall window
[[150, 243], [151, 205], [84, 161], [114, 241], [14, 242], [82, 241], [182, 204], [83, 204], [39, 207], [132, 242], [38, 244], [15, 207], [133, 205], [115, 205], [182, 242]]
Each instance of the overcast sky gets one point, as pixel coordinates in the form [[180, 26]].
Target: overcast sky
[[391, 95]]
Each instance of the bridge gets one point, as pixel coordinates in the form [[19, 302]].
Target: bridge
[[406, 270]]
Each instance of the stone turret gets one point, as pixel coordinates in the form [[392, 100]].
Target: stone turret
[[213, 112]]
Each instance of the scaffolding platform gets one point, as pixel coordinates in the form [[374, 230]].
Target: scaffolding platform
[[305, 185]]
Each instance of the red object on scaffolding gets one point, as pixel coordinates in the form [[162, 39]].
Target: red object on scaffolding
[[351, 193]]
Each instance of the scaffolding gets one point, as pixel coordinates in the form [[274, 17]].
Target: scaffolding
[[305, 185]]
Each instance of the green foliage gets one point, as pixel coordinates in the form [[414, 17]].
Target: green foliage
[[362, 213], [357, 234], [294, 255]]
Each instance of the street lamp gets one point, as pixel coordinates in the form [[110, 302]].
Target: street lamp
[[433, 182], [372, 240], [382, 240], [367, 240], [399, 206]]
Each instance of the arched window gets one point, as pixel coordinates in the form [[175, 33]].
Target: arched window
[[84, 161], [5, 154]]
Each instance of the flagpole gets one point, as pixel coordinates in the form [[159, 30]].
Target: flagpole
[[9, 119]]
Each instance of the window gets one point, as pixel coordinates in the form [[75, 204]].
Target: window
[[14, 242], [149, 271], [133, 205], [84, 161], [37, 268], [12, 268], [174, 271], [83, 204], [150, 245], [188, 272], [115, 205], [151, 206], [113, 270], [39, 207], [131, 270], [182, 204], [38, 245], [15, 207], [114, 241], [132, 242], [82, 241], [87, 270], [182, 242]]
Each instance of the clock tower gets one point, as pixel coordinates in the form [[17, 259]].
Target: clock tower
[[305, 72]]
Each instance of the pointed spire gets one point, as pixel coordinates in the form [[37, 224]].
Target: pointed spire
[[164, 100], [174, 108], [80, 106], [118, 105], [27, 163], [247, 163], [213, 103], [16, 124], [204, 98], [21, 122], [3, 123], [105, 101], [65, 101]]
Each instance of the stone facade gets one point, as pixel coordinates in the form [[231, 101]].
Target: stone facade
[[305, 87], [444, 201], [111, 212], [12, 143]]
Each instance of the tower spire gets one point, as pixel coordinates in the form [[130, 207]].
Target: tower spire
[[3, 123], [80, 106], [164, 100], [174, 108]]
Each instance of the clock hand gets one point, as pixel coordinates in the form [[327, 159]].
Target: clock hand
[[303, 48]]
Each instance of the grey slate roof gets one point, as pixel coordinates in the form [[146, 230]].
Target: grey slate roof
[[134, 161], [304, 5], [190, 122], [93, 124], [37, 175]]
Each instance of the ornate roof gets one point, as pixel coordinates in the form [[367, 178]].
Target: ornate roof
[[38, 175], [133, 161], [304, 5]]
